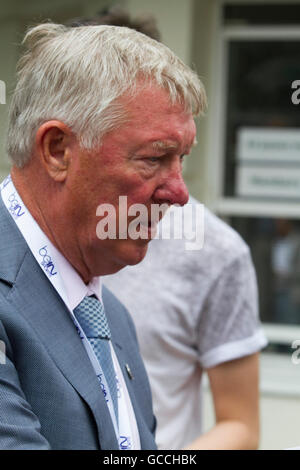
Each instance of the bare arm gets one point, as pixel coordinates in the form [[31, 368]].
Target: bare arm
[[234, 387]]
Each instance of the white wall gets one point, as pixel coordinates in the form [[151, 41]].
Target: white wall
[[174, 20]]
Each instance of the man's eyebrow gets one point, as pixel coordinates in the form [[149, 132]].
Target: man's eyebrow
[[164, 145], [167, 145]]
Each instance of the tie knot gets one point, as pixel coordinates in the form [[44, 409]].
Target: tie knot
[[91, 316]]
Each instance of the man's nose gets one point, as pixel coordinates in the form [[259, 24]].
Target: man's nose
[[173, 190]]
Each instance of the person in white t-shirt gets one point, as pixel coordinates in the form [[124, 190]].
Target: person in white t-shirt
[[196, 311]]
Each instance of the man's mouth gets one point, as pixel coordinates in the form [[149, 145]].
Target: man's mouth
[[148, 229]]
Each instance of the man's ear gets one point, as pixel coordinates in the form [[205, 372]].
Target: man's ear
[[53, 146]]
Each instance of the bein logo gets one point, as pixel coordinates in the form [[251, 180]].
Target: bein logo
[[102, 385], [125, 443], [47, 262], [2, 92], [15, 207]]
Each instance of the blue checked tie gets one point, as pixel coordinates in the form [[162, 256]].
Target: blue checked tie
[[91, 316]]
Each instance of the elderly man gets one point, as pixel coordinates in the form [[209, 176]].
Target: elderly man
[[98, 112]]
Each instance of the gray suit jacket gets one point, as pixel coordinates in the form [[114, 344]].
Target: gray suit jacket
[[49, 393]]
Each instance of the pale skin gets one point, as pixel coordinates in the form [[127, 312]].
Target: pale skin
[[234, 387], [63, 184]]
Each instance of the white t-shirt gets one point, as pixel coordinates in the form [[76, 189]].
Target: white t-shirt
[[192, 310]]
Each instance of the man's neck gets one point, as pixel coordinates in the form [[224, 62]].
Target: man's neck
[[42, 209]]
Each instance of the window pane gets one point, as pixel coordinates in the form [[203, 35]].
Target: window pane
[[269, 14], [262, 124], [275, 247]]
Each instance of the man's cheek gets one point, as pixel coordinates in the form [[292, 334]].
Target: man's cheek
[[141, 193]]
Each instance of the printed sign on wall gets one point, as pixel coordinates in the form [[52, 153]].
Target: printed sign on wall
[[268, 162], [268, 182], [266, 144]]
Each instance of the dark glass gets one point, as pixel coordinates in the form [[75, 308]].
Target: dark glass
[[269, 14], [275, 248], [260, 75]]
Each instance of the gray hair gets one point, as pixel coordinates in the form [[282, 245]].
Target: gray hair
[[75, 75]]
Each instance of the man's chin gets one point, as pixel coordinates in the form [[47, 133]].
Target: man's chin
[[137, 254], [129, 257]]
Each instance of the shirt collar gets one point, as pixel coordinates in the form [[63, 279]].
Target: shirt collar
[[75, 288]]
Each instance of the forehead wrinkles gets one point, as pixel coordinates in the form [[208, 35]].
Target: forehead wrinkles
[[149, 98], [150, 112]]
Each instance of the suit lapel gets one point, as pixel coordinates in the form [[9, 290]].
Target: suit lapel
[[52, 322]]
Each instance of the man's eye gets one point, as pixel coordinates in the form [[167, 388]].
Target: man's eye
[[153, 159], [182, 157]]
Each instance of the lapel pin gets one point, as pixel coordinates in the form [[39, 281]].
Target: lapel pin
[[128, 370]]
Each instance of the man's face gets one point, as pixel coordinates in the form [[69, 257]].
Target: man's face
[[142, 160]]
